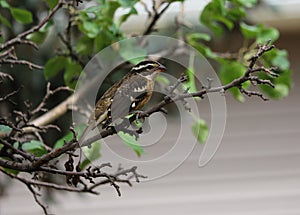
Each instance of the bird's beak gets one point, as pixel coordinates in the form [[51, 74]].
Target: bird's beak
[[162, 68]]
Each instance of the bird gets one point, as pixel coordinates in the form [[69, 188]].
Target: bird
[[126, 96]]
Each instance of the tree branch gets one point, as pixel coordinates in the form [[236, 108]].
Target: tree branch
[[156, 15], [19, 39]]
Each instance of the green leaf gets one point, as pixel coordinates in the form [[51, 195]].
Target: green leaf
[[91, 153], [259, 32], [103, 40], [193, 37], [249, 31], [21, 15], [194, 40], [127, 3], [12, 171], [84, 46], [163, 80], [131, 141], [4, 4], [284, 78], [278, 58], [5, 128], [229, 71], [40, 36], [283, 83], [34, 147], [214, 16], [54, 66], [91, 28], [190, 83], [124, 17], [280, 91], [52, 3], [267, 34], [247, 3], [72, 73], [200, 130], [171, 1], [236, 13], [132, 52], [69, 136], [5, 21], [37, 37], [110, 9], [205, 50], [190, 72]]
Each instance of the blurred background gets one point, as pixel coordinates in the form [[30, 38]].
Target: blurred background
[[256, 169]]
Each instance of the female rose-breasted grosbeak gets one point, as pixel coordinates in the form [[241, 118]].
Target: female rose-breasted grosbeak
[[129, 94]]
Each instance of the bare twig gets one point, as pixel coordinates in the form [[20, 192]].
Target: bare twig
[[21, 62], [19, 39], [49, 93], [156, 14]]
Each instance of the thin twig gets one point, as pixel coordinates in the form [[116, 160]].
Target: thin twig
[[20, 37], [155, 17]]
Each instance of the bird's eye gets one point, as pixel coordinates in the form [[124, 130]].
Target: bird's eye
[[149, 67]]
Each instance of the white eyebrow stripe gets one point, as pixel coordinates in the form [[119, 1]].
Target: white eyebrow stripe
[[143, 66]]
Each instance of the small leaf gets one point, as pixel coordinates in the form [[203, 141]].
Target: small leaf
[[229, 71], [193, 40], [132, 52], [54, 66], [124, 17], [91, 28], [236, 13], [84, 46], [214, 16], [190, 83], [12, 171], [163, 80], [249, 31], [171, 1], [68, 137], [5, 128], [278, 58], [102, 40], [91, 153], [5, 21], [72, 72], [259, 32], [247, 3], [34, 147], [200, 130], [131, 141], [4, 4], [127, 3], [37, 37], [21, 15], [52, 3], [267, 34], [280, 91], [198, 36], [111, 7]]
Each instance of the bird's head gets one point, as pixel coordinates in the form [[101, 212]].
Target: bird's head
[[148, 67]]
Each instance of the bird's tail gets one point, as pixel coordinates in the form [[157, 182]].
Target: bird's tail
[[86, 131]]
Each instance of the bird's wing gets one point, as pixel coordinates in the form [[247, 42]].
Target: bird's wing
[[131, 95]]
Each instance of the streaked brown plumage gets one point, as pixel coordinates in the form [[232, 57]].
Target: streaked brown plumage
[[129, 94]]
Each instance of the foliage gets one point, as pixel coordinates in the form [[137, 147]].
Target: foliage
[[221, 16], [95, 26], [98, 27]]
